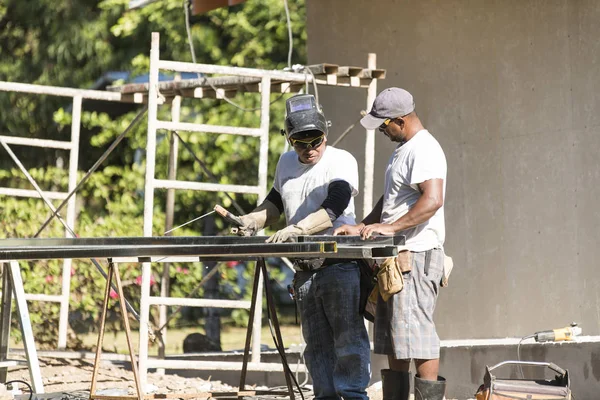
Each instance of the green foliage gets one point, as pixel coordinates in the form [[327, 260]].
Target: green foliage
[[73, 44]]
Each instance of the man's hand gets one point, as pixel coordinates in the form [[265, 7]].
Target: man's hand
[[249, 228], [286, 234], [384, 229], [351, 230]]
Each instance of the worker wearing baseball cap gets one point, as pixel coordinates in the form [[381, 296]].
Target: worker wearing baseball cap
[[412, 205]]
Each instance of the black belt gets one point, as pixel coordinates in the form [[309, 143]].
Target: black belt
[[314, 264]]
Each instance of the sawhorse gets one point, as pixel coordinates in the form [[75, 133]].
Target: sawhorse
[[113, 273], [12, 284], [261, 270], [260, 273]]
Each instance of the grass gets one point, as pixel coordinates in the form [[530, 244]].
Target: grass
[[232, 338]]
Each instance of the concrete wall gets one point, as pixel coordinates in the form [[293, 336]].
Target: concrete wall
[[463, 365], [511, 89]]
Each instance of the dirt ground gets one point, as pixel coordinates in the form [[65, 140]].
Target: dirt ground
[[70, 379]]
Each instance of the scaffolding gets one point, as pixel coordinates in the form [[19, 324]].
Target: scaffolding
[[235, 80]]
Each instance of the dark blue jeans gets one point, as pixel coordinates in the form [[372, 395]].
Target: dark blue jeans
[[337, 344]]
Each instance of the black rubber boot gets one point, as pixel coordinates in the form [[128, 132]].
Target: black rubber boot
[[430, 390], [395, 384]]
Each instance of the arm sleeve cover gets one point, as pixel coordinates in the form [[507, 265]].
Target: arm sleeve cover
[[339, 194], [275, 198]]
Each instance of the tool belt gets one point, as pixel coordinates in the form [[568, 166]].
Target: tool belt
[[390, 273], [494, 388], [314, 264]]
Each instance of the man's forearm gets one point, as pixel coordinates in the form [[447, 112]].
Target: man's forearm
[[374, 216], [421, 212]]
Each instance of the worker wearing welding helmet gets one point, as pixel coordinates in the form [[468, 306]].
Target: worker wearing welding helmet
[[314, 188]]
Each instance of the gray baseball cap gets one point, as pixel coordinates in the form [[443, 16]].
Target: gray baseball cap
[[390, 103]]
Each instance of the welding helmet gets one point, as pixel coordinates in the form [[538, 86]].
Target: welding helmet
[[303, 114]]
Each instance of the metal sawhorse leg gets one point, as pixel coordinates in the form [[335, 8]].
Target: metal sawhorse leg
[[262, 267], [12, 284]]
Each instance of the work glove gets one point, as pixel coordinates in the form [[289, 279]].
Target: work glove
[[286, 234], [313, 223], [263, 215]]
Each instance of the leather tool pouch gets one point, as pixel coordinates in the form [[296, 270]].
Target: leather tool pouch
[[389, 276]]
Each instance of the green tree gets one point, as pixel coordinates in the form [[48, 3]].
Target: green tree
[[73, 44]]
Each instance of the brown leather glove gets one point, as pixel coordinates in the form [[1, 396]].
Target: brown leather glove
[[313, 223], [263, 215]]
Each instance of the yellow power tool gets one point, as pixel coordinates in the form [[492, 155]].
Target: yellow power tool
[[557, 335]]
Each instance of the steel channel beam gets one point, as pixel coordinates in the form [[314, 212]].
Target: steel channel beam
[[231, 251], [358, 252], [343, 252], [397, 240], [192, 240]]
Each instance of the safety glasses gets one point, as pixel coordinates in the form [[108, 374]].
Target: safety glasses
[[309, 143], [385, 124]]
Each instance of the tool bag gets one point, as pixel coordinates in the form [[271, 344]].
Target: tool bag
[[368, 282], [494, 388]]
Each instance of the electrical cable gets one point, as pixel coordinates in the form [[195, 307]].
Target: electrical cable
[[186, 4], [314, 82], [67, 227], [279, 346], [299, 68], [209, 173], [290, 38], [23, 382], [281, 350], [302, 361], [519, 353], [104, 156]]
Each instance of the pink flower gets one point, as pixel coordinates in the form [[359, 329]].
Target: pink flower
[[185, 271], [231, 264], [72, 271], [49, 278], [113, 294], [138, 280], [178, 269]]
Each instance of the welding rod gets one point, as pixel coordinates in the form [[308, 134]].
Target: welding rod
[[68, 228], [189, 222]]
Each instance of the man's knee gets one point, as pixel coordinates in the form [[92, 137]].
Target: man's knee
[[402, 365], [428, 369]]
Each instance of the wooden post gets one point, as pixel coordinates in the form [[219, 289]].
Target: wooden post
[[113, 270]]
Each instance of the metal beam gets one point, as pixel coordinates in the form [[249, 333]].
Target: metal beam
[[191, 240], [314, 249]]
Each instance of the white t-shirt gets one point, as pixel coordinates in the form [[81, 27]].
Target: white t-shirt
[[303, 188], [414, 162]]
